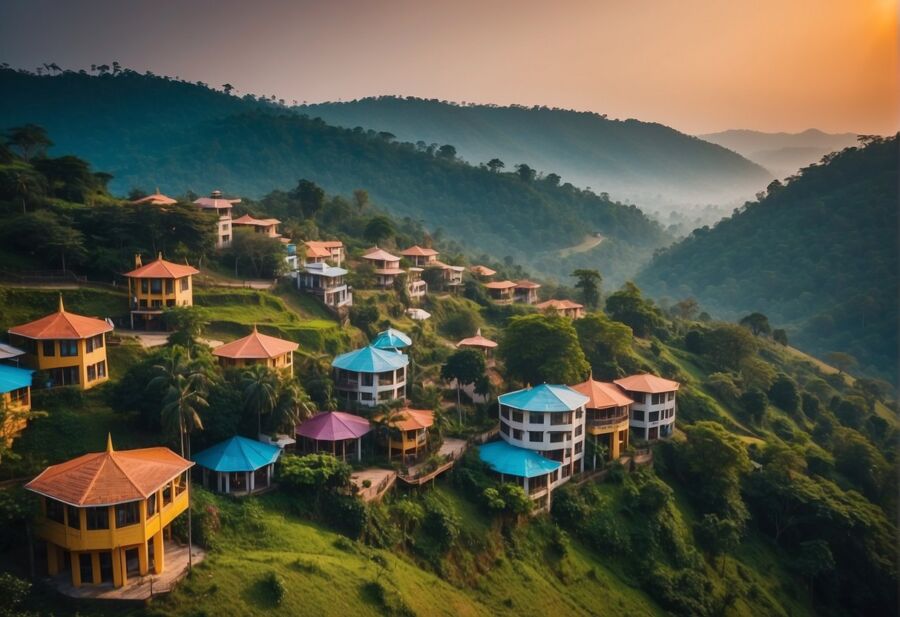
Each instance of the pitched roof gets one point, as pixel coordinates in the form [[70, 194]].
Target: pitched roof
[[483, 271], [62, 325], [500, 285], [323, 269], [316, 250], [409, 419], [110, 477], [391, 339], [8, 352], [238, 454], [334, 426], [370, 360], [544, 398], [249, 220], [215, 200], [647, 383], [255, 346], [477, 341], [389, 271], [156, 199], [377, 254], [602, 395], [514, 461], [558, 305], [418, 251], [327, 244], [162, 269], [14, 378], [526, 284]]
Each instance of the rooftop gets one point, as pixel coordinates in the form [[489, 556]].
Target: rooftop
[[500, 285], [255, 346], [215, 200], [109, 477], [316, 250], [7, 352], [483, 271], [602, 395], [249, 220], [418, 251], [323, 269], [334, 426], [162, 269], [477, 341], [370, 360], [156, 199], [238, 454], [62, 325], [558, 305], [647, 383], [514, 461], [327, 244], [411, 419], [544, 398], [391, 339], [377, 254], [14, 378], [526, 284]]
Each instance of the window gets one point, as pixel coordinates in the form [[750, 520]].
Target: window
[[365, 396], [637, 415], [578, 413], [170, 303], [97, 518], [145, 286], [143, 304], [504, 412], [156, 286], [554, 476], [101, 368], [181, 483], [578, 447], [92, 372], [504, 428], [73, 517], [654, 416], [671, 396], [536, 436], [578, 430], [156, 303], [560, 418], [55, 511], [518, 434], [535, 418], [167, 494], [68, 349], [19, 396], [638, 397], [49, 348], [367, 379], [557, 437], [127, 514], [95, 342], [170, 286], [658, 398], [185, 283]]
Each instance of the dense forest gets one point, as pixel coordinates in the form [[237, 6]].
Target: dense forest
[[817, 255], [149, 131], [644, 161]]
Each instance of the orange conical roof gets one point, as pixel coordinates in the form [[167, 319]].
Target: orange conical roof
[[62, 325], [256, 346]]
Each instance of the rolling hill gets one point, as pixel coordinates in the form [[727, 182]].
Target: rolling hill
[[817, 255], [647, 162]]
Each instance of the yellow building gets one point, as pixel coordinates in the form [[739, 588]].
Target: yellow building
[[104, 515], [608, 415], [70, 347], [15, 401], [409, 432], [157, 286], [256, 348]]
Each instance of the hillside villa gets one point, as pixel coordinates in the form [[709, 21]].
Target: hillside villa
[[526, 292], [156, 199], [416, 287], [269, 228], [370, 376], [326, 282], [501, 292], [387, 267], [408, 432], [238, 466], [157, 286], [563, 308], [482, 272], [104, 515], [332, 250], [337, 432], [391, 340], [216, 204], [420, 257], [653, 410], [608, 413], [258, 348], [70, 347], [480, 343]]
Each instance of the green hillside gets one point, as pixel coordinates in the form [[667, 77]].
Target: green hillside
[[817, 256], [152, 132]]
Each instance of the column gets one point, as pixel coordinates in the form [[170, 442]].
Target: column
[[159, 556], [143, 558], [116, 554], [95, 567], [52, 559], [251, 481], [614, 445], [359, 448], [75, 558], [227, 484]]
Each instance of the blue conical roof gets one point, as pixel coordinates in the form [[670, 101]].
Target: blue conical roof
[[544, 398], [391, 339], [514, 461], [370, 360], [238, 454]]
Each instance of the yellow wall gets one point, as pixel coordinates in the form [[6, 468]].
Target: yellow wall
[[284, 361], [37, 360], [405, 444], [178, 296]]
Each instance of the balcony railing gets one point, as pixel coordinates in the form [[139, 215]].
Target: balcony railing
[[603, 422]]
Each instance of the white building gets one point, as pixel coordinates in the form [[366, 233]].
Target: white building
[[387, 267], [222, 207], [653, 410], [370, 376], [327, 282]]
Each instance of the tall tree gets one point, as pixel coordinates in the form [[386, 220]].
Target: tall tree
[[495, 165], [757, 323], [589, 284], [541, 348], [30, 140], [259, 384], [465, 366]]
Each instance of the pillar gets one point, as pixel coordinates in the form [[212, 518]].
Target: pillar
[[614, 446], [251, 481], [227, 484], [159, 555], [118, 579], [359, 448], [75, 558], [95, 567], [143, 559], [52, 559]]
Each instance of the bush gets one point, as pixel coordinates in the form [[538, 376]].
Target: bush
[[275, 586], [784, 394]]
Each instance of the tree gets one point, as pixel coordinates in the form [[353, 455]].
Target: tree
[[409, 513], [686, 309], [713, 461], [186, 324], [50, 234], [30, 140], [779, 335], [185, 386], [360, 199], [379, 228], [228, 88], [757, 323], [784, 393], [814, 560], [509, 500], [525, 173], [315, 475], [718, 536], [603, 340], [495, 165], [840, 360], [628, 306], [754, 403], [552, 179], [542, 348], [447, 152], [259, 385], [465, 366], [309, 196], [265, 255], [729, 346], [589, 284], [292, 406]]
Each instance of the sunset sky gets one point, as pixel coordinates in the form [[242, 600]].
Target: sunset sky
[[699, 66]]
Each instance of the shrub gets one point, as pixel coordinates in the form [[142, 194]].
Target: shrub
[[275, 586]]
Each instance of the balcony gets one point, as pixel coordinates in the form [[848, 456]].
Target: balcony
[[601, 423]]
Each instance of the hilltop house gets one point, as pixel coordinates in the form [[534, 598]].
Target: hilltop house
[[608, 412], [546, 421], [216, 204], [407, 432], [334, 431], [327, 282], [333, 250], [420, 257], [653, 410], [157, 286], [482, 344], [70, 347], [156, 199], [501, 292], [387, 267], [258, 348], [238, 466], [370, 376], [482, 272], [104, 515], [416, 287], [563, 308], [526, 292]]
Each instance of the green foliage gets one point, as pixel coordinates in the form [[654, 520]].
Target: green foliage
[[13, 592], [589, 284], [542, 348], [314, 472], [728, 346], [464, 365], [757, 323], [754, 403], [604, 342], [629, 307], [276, 587], [784, 394], [255, 254]]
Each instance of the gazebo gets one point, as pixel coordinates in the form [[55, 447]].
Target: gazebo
[[392, 340], [485, 345], [333, 431], [238, 466]]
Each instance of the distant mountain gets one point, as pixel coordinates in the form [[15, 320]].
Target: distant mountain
[[818, 256], [153, 132], [783, 154], [649, 163]]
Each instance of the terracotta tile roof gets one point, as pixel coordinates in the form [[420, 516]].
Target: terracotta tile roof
[[110, 477], [249, 220], [62, 325], [477, 341], [377, 254], [418, 251], [389, 271], [412, 419], [215, 200], [500, 285], [526, 284], [316, 250], [162, 269], [156, 199], [255, 346], [328, 244], [483, 271], [558, 305], [603, 395], [650, 384]]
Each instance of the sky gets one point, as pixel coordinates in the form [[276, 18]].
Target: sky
[[699, 66]]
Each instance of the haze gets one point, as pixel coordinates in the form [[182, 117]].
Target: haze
[[698, 66]]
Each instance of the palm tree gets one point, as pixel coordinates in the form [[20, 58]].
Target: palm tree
[[386, 417], [186, 385], [260, 392], [292, 406]]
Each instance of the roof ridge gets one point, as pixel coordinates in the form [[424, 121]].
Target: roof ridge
[[115, 459]]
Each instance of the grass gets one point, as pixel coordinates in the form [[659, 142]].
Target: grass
[[20, 305]]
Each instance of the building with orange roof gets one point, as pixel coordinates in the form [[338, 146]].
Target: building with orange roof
[[563, 308], [316, 253], [482, 271], [70, 348], [335, 248], [104, 515], [653, 411], [501, 292], [482, 344], [221, 207], [526, 292], [156, 286], [267, 227], [420, 256], [408, 431], [608, 412], [258, 348], [156, 199], [387, 266]]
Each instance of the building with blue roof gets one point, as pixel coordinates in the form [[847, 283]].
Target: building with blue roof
[[549, 421], [238, 465], [537, 475], [392, 340], [370, 376], [327, 282], [15, 386]]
